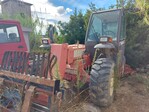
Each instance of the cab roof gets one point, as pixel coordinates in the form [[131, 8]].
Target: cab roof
[[9, 21]]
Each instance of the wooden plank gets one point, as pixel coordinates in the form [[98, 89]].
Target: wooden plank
[[11, 83], [28, 99], [28, 78]]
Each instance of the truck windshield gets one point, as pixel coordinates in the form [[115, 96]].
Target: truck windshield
[[9, 33], [103, 24]]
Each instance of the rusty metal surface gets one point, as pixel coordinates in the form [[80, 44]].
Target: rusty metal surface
[[30, 73], [28, 99], [28, 78], [14, 61], [37, 64], [36, 98]]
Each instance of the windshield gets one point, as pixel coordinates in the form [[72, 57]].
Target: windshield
[[9, 33], [103, 24]]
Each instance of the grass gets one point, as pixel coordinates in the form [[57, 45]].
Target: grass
[[144, 79], [72, 103]]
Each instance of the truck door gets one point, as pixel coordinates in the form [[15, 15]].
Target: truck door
[[11, 38]]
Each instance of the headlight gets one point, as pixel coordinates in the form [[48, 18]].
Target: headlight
[[45, 41], [106, 39]]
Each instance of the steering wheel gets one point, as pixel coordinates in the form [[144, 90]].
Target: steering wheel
[[110, 33], [95, 36]]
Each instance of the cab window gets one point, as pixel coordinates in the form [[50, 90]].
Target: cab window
[[9, 33], [103, 24]]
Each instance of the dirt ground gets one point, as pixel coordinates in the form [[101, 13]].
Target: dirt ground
[[132, 95]]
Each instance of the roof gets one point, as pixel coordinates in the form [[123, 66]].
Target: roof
[[4, 1]]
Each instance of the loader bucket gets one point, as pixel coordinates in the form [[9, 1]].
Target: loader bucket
[[26, 84]]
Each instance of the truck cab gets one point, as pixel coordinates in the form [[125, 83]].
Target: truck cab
[[11, 37]]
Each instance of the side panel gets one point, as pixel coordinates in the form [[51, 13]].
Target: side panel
[[60, 51], [75, 51]]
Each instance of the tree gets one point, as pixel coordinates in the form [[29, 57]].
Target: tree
[[74, 30], [137, 32], [143, 5], [93, 7]]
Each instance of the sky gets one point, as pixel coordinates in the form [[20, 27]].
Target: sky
[[52, 11], [60, 10]]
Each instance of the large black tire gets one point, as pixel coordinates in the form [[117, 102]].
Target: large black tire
[[102, 82]]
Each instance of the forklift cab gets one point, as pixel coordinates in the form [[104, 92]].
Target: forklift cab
[[104, 25]]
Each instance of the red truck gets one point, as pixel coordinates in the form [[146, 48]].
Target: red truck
[[11, 37]]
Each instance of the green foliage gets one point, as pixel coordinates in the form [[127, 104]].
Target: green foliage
[[143, 5], [25, 21], [93, 7], [137, 32], [74, 30], [60, 40], [137, 51], [35, 37], [137, 47]]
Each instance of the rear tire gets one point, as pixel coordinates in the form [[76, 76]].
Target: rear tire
[[102, 82]]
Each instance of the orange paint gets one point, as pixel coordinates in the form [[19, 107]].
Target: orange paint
[[60, 51]]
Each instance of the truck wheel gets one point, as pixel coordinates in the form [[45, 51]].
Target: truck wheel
[[102, 82]]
